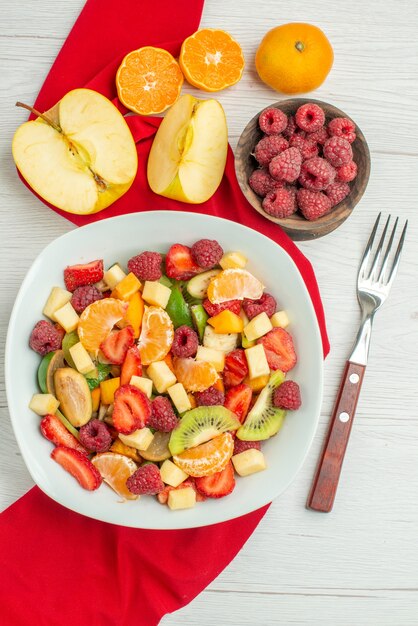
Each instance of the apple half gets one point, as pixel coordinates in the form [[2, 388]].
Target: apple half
[[79, 156], [188, 155]]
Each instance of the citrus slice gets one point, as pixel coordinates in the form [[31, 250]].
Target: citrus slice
[[208, 458], [234, 284], [97, 320], [194, 375], [148, 80], [211, 59], [115, 469], [156, 336]]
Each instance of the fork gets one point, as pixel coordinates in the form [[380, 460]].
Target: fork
[[373, 287]]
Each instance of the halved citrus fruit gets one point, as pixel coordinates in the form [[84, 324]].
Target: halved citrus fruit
[[97, 320], [157, 334], [211, 59], [115, 470], [208, 458], [194, 375], [149, 80], [234, 284]]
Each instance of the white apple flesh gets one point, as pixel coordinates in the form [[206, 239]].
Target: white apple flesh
[[84, 160], [188, 155]]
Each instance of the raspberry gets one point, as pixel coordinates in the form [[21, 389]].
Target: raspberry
[[310, 117], [146, 266], [338, 151], [185, 342], [347, 173], [269, 147], [290, 128], [45, 338], [280, 203], [342, 127], [266, 304], [262, 183], [272, 121], [287, 396], [214, 309], [337, 192], [207, 253], [146, 480], [85, 295], [241, 446], [313, 204], [319, 136], [316, 174], [286, 166], [95, 436], [210, 397], [307, 148], [162, 416]]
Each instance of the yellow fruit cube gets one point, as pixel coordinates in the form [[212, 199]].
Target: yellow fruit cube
[[216, 357], [260, 325], [257, 361], [226, 322], [280, 319], [232, 260], [108, 388], [161, 375], [126, 288], [258, 383], [218, 341], [113, 276], [121, 448], [43, 403], [95, 399], [81, 358], [156, 294], [171, 474], [67, 317], [139, 439], [144, 384], [56, 300], [249, 462], [181, 498], [179, 397]]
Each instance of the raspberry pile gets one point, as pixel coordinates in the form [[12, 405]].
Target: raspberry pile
[[95, 436], [146, 266], [162, 416], [45, 337], [185, 342], [210, 397], [83, 296], [303, 153]]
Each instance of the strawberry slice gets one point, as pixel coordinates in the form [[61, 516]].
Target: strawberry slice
[[217, 485], [238, 400], [54, 430], [236, 368], [131, 409], [117, 344], [79, 466], [79, 275], [179, 263], [214, 309], [131, 365], [279, 349]]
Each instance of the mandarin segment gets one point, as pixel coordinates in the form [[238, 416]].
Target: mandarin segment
[[97, 320], [194, 375], [234, 284], [208, 458], [115, 469], [157, 334]]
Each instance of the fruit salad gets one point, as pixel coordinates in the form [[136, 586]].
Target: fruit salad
[[164, 377]]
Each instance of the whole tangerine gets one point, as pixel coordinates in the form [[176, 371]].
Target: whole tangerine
[[294, 58]]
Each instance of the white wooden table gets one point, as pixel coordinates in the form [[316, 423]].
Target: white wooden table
[[359, 564]]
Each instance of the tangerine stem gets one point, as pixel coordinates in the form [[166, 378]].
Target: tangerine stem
[[299, 46]]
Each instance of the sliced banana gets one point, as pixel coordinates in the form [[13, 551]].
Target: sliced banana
[[217, 341]]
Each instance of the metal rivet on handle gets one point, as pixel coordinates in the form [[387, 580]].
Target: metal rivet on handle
[[343, 417], [354, 378]]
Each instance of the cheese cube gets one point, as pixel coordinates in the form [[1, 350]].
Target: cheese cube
[[139, 439], [257, 361], [216, 357], [81, 358], [259, 326], [156, 294], [114, 275], [179, 398], [43, 403], [232, 260], [144, 384], [161, 375], [171, 474], [249, 462], [280, 319], [184, 498], [56, 300], [67, 317]]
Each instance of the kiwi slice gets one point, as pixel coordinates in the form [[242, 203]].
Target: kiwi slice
[[158, 448], [200, 425], [264, 420]]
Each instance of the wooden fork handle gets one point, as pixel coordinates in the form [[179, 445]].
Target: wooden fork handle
[[325, 483]]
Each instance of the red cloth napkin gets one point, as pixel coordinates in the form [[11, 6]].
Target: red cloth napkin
[[59, 568]]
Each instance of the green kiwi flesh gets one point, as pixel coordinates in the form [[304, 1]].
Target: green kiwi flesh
[[200, 425], [264, 420]]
